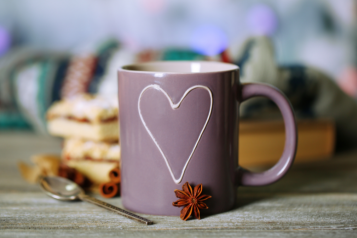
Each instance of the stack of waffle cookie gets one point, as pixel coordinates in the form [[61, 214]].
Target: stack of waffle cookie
[[90, 128]]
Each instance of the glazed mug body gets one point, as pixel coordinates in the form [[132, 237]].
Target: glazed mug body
[[179, 123]]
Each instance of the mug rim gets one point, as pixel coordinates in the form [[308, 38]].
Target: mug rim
[[134, 68]]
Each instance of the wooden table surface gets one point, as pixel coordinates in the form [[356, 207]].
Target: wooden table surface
[[313, 200]]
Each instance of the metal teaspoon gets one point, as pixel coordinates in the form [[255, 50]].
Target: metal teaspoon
[[66, 190]]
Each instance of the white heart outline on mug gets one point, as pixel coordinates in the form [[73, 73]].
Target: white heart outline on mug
[[175, 106]]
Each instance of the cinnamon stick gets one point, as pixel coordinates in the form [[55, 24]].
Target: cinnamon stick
[[111, 188], [114, 175], [108, 190], [72, 174]]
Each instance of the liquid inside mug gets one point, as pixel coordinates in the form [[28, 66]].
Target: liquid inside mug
[[179, 123]]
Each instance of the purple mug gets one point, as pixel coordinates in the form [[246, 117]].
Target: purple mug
[[179, 123]]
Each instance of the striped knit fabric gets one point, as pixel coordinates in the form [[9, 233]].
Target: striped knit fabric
[[78, 76]]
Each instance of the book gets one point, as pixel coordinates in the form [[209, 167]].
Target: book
[[261, 143]]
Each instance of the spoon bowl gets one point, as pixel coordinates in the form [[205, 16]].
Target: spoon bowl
[[61, 188]]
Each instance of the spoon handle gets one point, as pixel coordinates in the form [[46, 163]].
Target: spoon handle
[[118, 210]]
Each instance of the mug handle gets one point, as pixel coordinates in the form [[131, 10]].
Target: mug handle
[[247, 178]]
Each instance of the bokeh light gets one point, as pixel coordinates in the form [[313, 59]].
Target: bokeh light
[[5, 40], [348, 81], [209, 40], [153, 6], [262, 20]]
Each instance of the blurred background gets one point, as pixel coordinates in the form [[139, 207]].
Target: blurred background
[[319, 33], [54, 49]]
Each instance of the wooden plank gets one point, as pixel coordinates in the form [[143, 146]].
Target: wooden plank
[[253, 212], [316, 199], [179, 234]]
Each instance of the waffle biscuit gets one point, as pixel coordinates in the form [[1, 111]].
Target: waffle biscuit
[[85, 116]]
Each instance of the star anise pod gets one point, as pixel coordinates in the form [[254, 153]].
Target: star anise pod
[[192, 201]]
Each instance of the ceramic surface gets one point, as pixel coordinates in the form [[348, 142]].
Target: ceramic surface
[[179, 123]]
